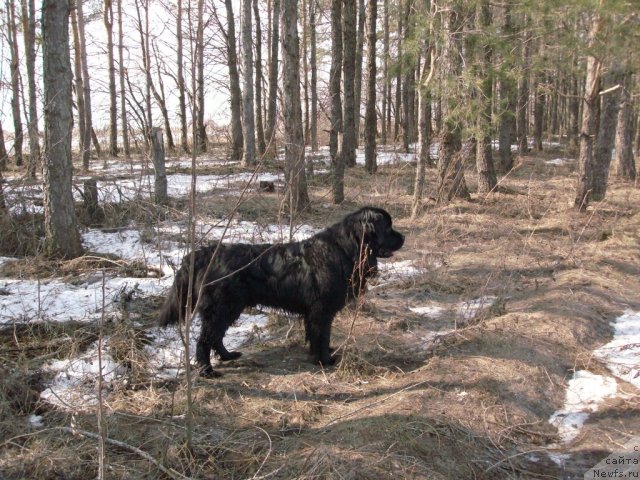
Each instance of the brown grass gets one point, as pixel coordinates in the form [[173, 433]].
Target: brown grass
[[405, 402]]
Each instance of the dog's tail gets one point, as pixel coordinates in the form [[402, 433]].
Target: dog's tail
[[174, 305], [170, 311]]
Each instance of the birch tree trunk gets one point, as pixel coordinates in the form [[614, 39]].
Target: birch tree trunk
[[182, 102], [386, 86], [199, 94], [362, 16], [61, 232]]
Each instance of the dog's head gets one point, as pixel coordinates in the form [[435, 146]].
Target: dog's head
[[375, 229]]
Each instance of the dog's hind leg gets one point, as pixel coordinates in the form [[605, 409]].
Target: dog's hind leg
[[318, 326]]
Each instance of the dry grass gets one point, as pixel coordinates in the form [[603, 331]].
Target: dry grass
[[470, 402]]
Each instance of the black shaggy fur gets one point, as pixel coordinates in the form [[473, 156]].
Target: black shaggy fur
[[314, 278]]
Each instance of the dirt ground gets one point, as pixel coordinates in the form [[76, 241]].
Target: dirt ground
[[420, 396]]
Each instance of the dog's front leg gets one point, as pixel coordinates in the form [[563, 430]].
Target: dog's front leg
[[203, 350]]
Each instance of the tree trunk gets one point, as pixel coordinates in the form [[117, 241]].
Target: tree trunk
[[386, 86], [358, 73], [349, 65], [61, 232], [606, 137], [292, 114], [202, 128], [85, 143], [589, 121], [370, 120], [272, 101], [523, 93], [574, 115], [237, 139], [313, 65], [305, 80], [399, 67], [259, 123], [182, 103], [29, 35], [337, 160], [623, 162], [408, 82], [158, 94], [484, 155], [79, 85], [3, 150], [123, 99], [113, 99], [451, 156], [508, 100], [248, 119], [12, 37], [143, 30], [159, 169], [538, 113]]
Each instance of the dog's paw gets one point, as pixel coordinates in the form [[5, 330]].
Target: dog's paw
[[326, 361], [207, 371], [229, 356]]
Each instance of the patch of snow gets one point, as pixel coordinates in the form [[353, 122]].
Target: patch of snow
[[622, 354], [166, 353], [75, 382], [559, 161], [394, 271], [58, 301], [585, 392], [469, 309], [433, 311], [36, 421]]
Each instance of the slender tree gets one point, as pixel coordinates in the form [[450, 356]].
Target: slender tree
[[259, 79], [398, 94], [357, 90], [182, 102], [623, 162], [62, 238], [386, 86], [82, 116], [199, 72], [113, 97], [85, 141], [349, 70], [292, 110], [29, 36], [370, 113], [451, 156], [610, 105], [121, 73], [589, 120], [273, 78], [248, 114], [237, 139], [313, 65], [523, 91], [508, 92], [335, 74], [3, 150], [12, 36], [484, 160]]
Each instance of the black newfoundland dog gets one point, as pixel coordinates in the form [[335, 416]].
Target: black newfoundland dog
[[314, 278]]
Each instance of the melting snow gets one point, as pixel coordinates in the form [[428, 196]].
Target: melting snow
[[622, 354], [585, 392]]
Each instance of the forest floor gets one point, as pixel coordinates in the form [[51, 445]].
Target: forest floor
[[483, 350]]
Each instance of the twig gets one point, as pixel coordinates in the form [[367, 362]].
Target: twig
[[167, 471], [372, 404]]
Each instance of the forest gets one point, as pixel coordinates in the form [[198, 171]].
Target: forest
[[501, 341]]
